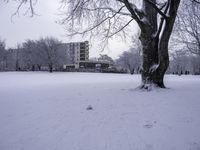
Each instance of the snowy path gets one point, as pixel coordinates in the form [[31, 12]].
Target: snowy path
[[42, 111]]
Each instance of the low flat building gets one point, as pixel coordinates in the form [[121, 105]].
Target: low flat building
[[94, 64]]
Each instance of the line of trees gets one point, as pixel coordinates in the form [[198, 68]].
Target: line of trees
[[46, 53], [185, 65], [181, 63], [187, 29], [131, 60], [185, 43]]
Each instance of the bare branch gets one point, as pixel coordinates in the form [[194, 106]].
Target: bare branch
[[107, 8], [196, 1], [98, 24], [162, 21], [30, 8], [157, 9], [121, 28], [187, 28], [132, 11]]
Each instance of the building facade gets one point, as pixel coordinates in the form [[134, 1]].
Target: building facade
[[78, 56], [77, 52]]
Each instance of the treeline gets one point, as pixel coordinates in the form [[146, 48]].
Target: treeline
[[185, 64], [130, 61], [51, 54], [43, 54], [180, 63]]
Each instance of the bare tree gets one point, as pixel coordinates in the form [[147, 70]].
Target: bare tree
[[188, 27], [32, 56], [2, 54], [108, 18], [18, 57], [130, 60], [105, 57], [13, 58], [50, 46], [184, 64]]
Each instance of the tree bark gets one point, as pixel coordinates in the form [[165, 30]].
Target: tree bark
[[155, 48], [150, 47]]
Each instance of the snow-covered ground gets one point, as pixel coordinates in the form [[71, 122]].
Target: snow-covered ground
[[43, 111]]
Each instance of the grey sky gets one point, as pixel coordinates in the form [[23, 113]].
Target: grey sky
[[24, 27]]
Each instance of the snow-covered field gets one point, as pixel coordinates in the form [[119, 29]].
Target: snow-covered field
[[43, 111]]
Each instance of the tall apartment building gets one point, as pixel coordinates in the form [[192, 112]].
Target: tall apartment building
[[77, 52]]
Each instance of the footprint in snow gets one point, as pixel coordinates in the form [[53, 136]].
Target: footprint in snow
[[149, 125], [89, 107]]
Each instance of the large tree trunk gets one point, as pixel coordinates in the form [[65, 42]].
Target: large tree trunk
[[150, 49], [152, 70], [155, 48], [151, 75]]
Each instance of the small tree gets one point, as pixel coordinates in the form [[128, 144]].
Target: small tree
[[130, 60], [33, 56], [50, 46], [105, 57], [2, 54]]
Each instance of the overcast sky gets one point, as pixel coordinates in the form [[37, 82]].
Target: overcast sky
[[23, 27]]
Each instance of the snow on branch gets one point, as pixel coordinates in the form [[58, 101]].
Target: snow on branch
[[153, 68], [133, 10], [162, 21]]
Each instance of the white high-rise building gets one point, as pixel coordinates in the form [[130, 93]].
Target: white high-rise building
[[77, 52]]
